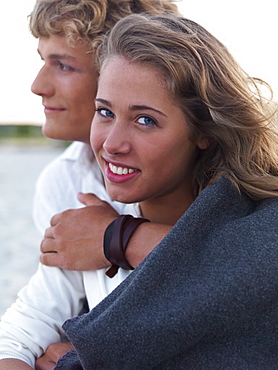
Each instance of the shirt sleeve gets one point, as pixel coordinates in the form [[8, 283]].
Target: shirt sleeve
[[35, 320], [57, 186]]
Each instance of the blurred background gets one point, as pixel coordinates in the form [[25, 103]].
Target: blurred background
[[248, 28]]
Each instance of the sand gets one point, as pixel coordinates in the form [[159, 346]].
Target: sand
[[19, 239]]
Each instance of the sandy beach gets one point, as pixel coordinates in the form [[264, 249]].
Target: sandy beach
[[19, 240]]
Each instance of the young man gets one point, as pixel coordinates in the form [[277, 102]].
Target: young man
[[68, 32], [67, 85]]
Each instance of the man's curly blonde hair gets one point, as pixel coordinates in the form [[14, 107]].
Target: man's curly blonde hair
[[88, 20]]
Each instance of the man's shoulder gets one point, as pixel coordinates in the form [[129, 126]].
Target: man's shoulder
[[75, 152], [69, 163]]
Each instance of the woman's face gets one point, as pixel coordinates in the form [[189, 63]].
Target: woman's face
[[67, 84], [140, 136]]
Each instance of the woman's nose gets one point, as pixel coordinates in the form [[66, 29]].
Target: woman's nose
[[43, 85], [117, 140]]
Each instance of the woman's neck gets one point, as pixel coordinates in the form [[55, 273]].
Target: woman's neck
[[165, 211]]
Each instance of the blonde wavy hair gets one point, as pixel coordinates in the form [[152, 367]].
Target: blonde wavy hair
[[221, 103], [88, 20]]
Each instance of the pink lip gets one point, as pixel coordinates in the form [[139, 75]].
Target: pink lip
[[118, 179], [49, 110]]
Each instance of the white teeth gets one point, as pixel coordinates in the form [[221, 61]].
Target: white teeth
[[120, 170]]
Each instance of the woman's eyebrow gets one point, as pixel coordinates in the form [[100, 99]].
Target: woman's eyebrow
[[131, 107], [145, 107], [103, 101]]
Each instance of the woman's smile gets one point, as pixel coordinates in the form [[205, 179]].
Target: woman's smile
[[119, 174]]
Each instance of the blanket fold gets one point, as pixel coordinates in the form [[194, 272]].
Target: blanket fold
[[205, 298]]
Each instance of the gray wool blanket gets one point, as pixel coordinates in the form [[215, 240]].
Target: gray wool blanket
[[205, 298]]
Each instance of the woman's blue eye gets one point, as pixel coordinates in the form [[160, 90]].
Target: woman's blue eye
[[105, 112], [146, 121]]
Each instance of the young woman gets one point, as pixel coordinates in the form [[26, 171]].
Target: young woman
[[183, 131]]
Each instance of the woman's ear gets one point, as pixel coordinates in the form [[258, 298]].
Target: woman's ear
[[203, 143]]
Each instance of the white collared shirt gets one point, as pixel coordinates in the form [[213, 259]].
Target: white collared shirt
[[54, 295]]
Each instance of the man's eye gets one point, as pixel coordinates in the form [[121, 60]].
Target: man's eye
[[105, 112], [147, 121], [65, 67]]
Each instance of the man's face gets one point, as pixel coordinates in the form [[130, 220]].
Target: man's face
[[67, 84]]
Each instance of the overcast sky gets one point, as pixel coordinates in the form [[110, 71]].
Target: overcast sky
[[247, 27]]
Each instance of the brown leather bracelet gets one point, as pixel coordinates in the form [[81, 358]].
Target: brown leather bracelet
[[116, 238]]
